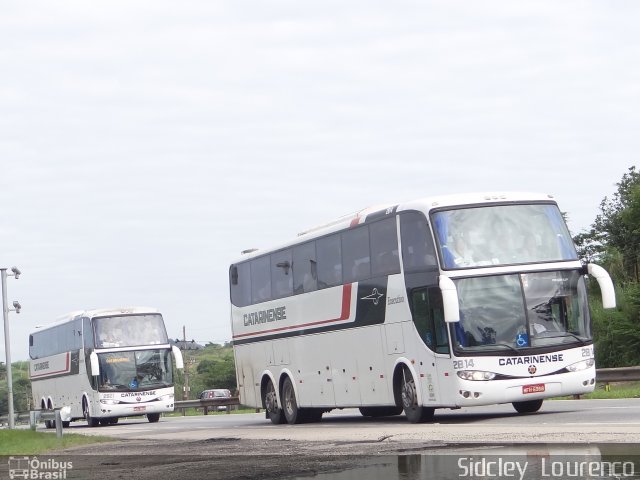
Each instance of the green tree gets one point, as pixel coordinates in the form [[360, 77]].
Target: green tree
[[617, 228]]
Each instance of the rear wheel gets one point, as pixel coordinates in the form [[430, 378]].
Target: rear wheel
[[270, 402], [292, 413], [415, 413], [530, 406]]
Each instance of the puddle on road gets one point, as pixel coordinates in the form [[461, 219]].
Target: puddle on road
[[523, 462]]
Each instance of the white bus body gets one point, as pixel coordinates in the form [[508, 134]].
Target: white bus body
[[389, 310], [101, 365]]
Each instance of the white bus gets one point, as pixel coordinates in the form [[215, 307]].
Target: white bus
[[101, 365], [442, 302]]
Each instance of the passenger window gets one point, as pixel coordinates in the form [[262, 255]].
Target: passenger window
[[384, 247], [305, 272], [356, 263], [260, 280], [240, 284], [418, 252], [329, 253], [281, 274]]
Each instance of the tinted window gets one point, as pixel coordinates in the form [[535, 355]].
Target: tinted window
[[240, 284], [260, 280], [329, 261], [355, 254], [384, 248], [281, 274], [418, 252], [305, 274]]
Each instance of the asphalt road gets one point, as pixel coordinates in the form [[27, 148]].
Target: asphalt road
[[345, 445]]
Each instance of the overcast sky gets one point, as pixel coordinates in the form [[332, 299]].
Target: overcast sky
[[144, 144]]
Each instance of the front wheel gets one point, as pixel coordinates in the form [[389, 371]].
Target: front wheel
[[270, 403], [153, 417], [530, 406], [92, 422], [415, 413]]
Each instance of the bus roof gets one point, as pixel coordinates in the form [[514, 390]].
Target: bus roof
[[424, 204], [104, 312]]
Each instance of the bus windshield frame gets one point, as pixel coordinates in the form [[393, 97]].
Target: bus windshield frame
[[129, 330], [502, 234], [522, 312]]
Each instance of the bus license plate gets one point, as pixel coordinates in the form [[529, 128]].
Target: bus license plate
[[537, 388], [139, 409]]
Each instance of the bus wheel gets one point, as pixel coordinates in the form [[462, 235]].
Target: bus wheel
[[415, 413], [292, 413], [153, 417], [270, 402], [380, 411], [92, 422], [530, 406]]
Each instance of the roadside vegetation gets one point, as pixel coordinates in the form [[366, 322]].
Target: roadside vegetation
[[27, 442]]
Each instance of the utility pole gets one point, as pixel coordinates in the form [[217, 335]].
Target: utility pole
[[7, 341], [185, 394]]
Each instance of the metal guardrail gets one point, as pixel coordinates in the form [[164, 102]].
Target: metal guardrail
[[48, 415], [620, 374], [207, 403]]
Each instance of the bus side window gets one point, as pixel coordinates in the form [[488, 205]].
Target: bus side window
[[418, 252], [305, 275], [281, 274], [428, 317], [384, 247], [329, 252], [355, 254], [240, 276], [260, 279]]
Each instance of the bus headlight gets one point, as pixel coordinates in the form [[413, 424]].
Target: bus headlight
[[105, 401], [583, 365], [476, 375]]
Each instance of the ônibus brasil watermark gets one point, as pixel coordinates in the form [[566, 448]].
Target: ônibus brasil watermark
[[542, 468], [34, 468]]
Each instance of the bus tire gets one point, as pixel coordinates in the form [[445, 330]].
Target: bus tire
[[270, 403], [530, 406], [153, 417], [292, 413], [380, 411], [414, 412], [91, 422]]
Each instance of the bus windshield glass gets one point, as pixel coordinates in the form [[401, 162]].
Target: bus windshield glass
[[139, 370], [520, 311], [130, 331], [502, 235]]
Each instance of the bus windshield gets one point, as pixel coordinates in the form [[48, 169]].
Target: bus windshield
[[139, 370], [520, 311], [129, 331], [502, 235]]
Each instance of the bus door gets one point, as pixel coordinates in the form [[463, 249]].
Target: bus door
[[428, 317]]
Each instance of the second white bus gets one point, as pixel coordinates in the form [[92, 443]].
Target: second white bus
[[102, 365]]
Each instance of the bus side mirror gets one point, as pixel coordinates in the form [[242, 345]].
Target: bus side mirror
[[449, 300], [177, 355], [95, 364], [605, 283]]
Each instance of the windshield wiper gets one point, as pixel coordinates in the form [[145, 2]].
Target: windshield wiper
[[488, 345]]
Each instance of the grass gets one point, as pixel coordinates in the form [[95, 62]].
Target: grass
[[28, 442], [614, 390]]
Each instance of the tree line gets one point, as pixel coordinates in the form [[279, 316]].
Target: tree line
[[613, 241]]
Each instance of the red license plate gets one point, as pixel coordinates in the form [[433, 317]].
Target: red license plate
[[537, 388], [143, 408]]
